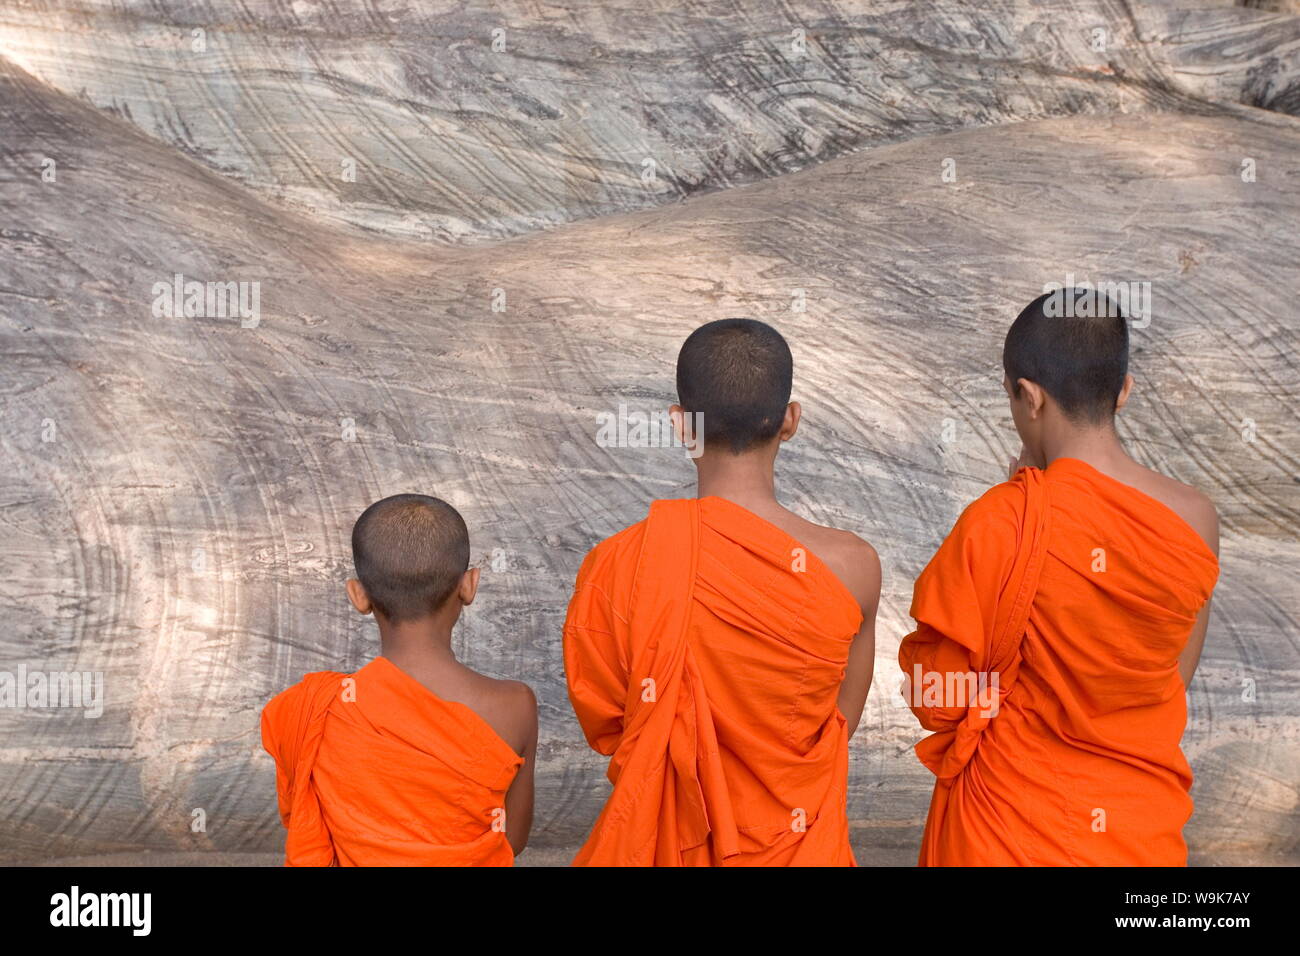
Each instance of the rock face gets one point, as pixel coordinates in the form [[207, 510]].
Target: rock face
[[178, 491], [431, 119]]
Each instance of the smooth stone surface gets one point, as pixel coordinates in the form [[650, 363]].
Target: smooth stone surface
[[458, 133]]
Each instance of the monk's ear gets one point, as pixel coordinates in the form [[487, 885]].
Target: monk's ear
[[358, 596], [677, 415], [1124, 392], [1032, 394], [468, 586], [790, 424], [685, 428]]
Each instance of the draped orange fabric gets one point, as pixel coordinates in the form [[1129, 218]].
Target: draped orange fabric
[[381, 772], [1079, 593], [704, 650]]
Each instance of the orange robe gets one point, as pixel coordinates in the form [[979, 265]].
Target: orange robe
[[1079, 592], [704, 650], [380, 772]]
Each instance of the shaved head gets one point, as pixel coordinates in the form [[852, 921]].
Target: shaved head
[[1077, 354], [410, 552], [736, 374]]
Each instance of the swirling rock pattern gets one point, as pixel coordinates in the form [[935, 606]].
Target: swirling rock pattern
[[449, 121], [178, 492]]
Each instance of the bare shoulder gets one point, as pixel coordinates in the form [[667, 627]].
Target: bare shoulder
[[518, 699], [513, 693], [510, 708], [854, 561], [1190, 504]]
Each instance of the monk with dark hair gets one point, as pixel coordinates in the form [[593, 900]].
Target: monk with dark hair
[[720, 650], [414, 760], [1060, 624]]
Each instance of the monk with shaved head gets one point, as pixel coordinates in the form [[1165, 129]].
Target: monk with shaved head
[[414, 760], [720, 650], [1060, 624]]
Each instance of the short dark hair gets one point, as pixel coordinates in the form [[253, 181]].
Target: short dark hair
[[737, 375], [410, 552], [1073, 343]]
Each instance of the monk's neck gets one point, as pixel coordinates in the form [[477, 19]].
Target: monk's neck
[[748, 480], [416, 645], [1099, 447]]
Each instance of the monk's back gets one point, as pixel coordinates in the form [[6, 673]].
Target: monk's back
[[706, 646], [772, 657], [708, 650], [1086, 748], [405, 778]]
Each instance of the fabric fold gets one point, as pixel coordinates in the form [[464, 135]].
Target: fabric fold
[[1078, 593], [373, 769], [989, 640], [706, 661]]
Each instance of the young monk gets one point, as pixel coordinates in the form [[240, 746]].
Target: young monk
[[414, 760], [720, 651], [1076, 595]]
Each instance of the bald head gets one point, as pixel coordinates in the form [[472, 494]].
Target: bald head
[[736, 374], [410, 552]]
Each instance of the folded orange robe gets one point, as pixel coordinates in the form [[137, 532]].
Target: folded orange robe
[[704, 650], [383, 773], [1079, 592]]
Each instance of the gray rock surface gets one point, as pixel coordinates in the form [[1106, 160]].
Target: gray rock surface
[[177, 492], [458, 132]]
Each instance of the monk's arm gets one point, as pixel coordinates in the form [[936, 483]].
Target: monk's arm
[[857, 675], [927, 651], [594, 668], [955, 603], [273, 731], [865, 583], [1206, 522], [1191, 655], [519, 798]]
